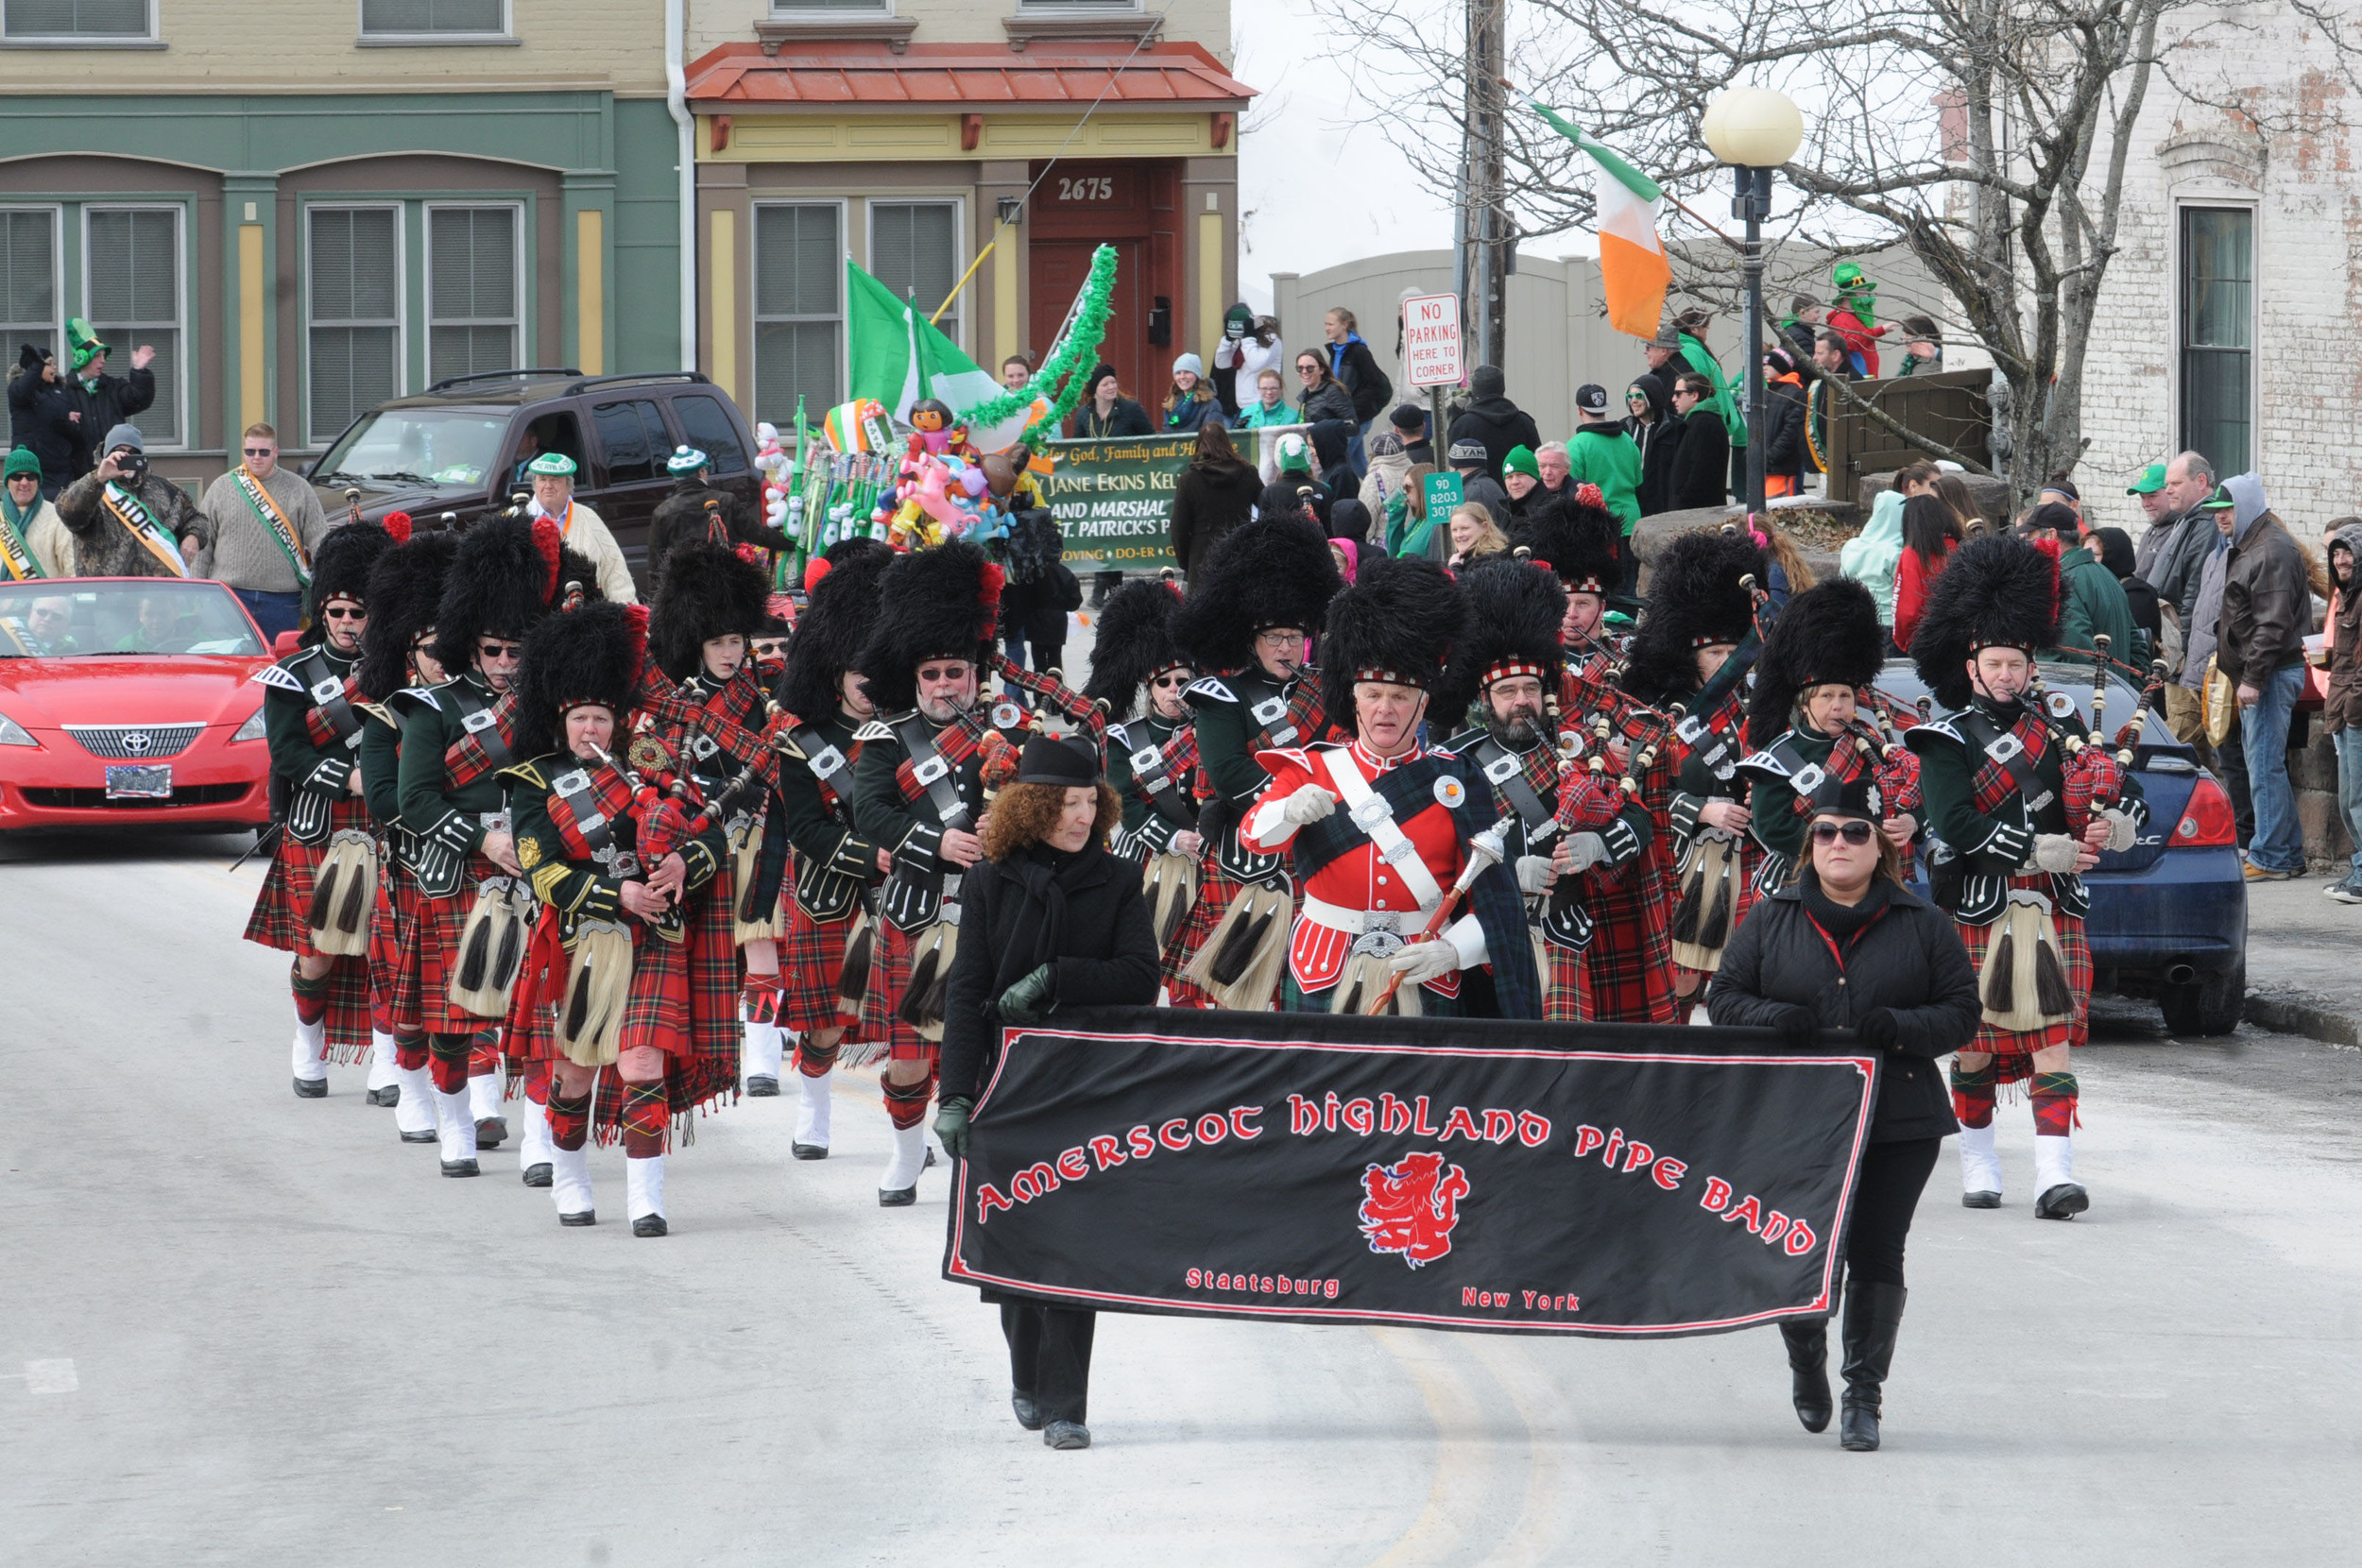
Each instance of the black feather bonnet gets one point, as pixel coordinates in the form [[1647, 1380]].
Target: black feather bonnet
[[1827, 635], [1577, 540], [590, 654], [707, 589], [837, 619], [1697, 597], [1134, 644], [404, 587], [1397, 623], [340, 569], [942, 603], [1273, 573], [1997, 592], [1514, 609]]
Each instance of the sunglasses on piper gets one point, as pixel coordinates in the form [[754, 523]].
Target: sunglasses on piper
[[345, 612], [488, 649], [1855, 833], [1165, 683]]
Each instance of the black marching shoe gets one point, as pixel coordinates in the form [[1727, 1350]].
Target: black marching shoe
[[1066, 1434], [809, 1150], [1028, 1413], [649, 1224], [588, 1216], [2063, 1201], [1980, 1199], [1873, 1315], [461, 1167], [425, 1136], [763, 1088], [389, 1096], [537, 1175], [491, 1132], [898, 1198], [311, 1088], [1808, 1370]]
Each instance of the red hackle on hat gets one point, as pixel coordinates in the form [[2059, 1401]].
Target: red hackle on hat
[[548, 541], [816, 568], [398, 524]]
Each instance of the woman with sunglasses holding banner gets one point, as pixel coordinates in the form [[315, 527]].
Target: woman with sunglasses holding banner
[[1847, 946]]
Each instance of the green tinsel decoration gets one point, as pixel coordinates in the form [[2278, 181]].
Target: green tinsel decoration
[[1069, 364]]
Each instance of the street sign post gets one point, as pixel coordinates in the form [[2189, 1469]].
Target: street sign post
[[1430, 339]]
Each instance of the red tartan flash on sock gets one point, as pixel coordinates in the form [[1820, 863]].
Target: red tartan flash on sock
[[2054, 1096], [1971, 1093], [646, 1111], [570, 1121], [815, 1061], [448, 1056], [906, 1103], [758, 997], [311, 995]]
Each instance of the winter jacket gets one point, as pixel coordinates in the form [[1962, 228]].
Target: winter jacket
[[1603, 454], [1862, 341], [1914, 581], [1331, 400], [1257, 416], [45, 534], [2091, 605], [1484, 492], [1908, 959], [2205, 616], [1873, 557], [1389, 475], [103, 404], [1352, 362], [2115, 554], [1099, 939], [1126, 419], [2267, 603], [682, 515], [1500, 427], [37, 420], [1702, 462], [1184, 417], [2181, 560], [1784, 429], [103, 547], [2343, 707], [1239, 363], [1208, 500]]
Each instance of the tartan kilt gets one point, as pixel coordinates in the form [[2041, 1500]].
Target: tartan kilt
[[888, 981], [1625, 975], [386, 948], [1749, 863], [277, 919], [684, 994], [348, 1011], [1562, 984], [435, 924], [2013, 1055], [811, 955], [1217, 890]]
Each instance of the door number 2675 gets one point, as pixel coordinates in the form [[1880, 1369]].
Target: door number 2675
[[1091, 188]]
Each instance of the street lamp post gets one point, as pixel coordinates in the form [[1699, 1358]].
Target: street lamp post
[[1754, 129]]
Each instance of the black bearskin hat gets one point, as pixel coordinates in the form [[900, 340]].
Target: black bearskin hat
[[1578, 538], [590, 653], [404, 587], [507, 573], [1135, 645], [1998, 591], [933, 603], [1397, 623], [1272, 573], [707, 589], [1515, 611], [1696, 597], [340, 569], [836, 622], [1827, 634]]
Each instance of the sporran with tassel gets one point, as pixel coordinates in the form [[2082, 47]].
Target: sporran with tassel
[[922, 1005], [1239, 967], [492, 948], [750, 923], [860, 962], [2024, 984], [598, 987], [1170, 886], [1363, 982], [342, 894], [1709, 884]]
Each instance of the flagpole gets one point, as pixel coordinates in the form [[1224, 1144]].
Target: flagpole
[[963, 283]]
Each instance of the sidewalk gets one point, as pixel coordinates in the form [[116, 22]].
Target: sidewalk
[[2302, 974]]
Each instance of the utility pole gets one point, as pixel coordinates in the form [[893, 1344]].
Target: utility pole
[[1484, 263]]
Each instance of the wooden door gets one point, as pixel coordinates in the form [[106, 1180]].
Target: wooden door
[[1060, 268]]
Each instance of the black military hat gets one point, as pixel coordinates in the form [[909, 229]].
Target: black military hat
[[1698, 596], [941, 602], [836, 622], [1395, 622], [340, 569], [1272, 573], [1828, 635], [1997, 592], [707, 589], [404, 587], [1134, 644]]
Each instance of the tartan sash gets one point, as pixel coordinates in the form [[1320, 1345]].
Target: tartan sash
[[1160, 770], [2019, 773], [487, 739], [16, 552], [953, 746], [586, 802], [1294, 719], [130, 511], [331, 718], [1714, 739], [282, 532]]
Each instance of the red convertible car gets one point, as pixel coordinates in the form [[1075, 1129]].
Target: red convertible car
[[130, 702]]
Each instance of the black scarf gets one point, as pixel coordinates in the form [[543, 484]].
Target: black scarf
[[1038, 880], [1841, 924]]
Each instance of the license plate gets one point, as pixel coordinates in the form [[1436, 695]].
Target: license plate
[[140, 782]]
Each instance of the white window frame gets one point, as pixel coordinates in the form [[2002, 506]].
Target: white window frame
[[960, 239], [785, 10], [149, 40], [2175, 294], [315, 440], [181, 322], [364, 38], [1079, 7], [754, 296], [56, 280], [523, 320]]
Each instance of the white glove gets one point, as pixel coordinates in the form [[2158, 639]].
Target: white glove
[[2122, 829], [1422, 962], [2056, 852], [1585, 850], [1307, 805], [1534, 874]]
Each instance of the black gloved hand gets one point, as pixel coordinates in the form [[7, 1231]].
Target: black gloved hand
[[1028, 1001], [1876, 1029], [1797, 1027], [952, 1125]]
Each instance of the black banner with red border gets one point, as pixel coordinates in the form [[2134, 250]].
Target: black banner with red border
[[1621, 1181]]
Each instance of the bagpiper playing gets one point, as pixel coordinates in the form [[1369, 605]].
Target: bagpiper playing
[[1248, 621], [1624, 972], [1152, 754], [397, 651], [2018, 806], [318, 897], [827, 950], [918, 791], [1388, 836], [1803, 724], [1573, 831], [1687, 656]]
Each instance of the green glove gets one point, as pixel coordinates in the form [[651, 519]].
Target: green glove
[[952, 1125], [1028, 1001]]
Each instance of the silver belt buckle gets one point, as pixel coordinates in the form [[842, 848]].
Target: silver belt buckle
[[1145, 759], [1401, 850], [1372, 812], [495, 821], [482, 718], [826, 762], [1269, 711], [1502, 770], [702, 746], [1378, 938], [1808, 780], [2006, 747], [931, 770], [1690, 729], [327, 688]]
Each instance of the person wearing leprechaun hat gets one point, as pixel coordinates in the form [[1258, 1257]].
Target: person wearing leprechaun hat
[[581, 529]]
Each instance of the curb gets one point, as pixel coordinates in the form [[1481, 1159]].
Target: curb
[[2293, 1013]]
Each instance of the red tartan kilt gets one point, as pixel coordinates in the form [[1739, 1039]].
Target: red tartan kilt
[[684, 994], [811, 957], [1625, 975], [385, 955], [882, 1020], [434, 932], [2013, 1053], [285, 901]]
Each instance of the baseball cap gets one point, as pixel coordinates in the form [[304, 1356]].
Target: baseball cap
[[1591, 398], [2220, 502], [2152, 481]]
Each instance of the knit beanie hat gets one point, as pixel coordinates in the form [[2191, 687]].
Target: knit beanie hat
[[1520, 460], [21, 461]]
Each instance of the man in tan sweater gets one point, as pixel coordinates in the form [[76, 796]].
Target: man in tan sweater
[[267, 523]]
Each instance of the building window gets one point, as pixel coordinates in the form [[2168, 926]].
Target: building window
[[131, 260], [1078, 5], [95, 21], [28, 282], [2219, 334], [914, 251], [799, 270], [473, 291], [830, 7], [352, 314], [433, 18]]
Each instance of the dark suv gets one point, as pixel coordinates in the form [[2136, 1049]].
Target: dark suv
[[461, 447]]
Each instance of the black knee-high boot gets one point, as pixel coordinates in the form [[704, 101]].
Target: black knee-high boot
[[1808, 1371], [1873, 1315]]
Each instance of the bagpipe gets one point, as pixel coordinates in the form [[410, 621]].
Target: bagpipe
[[2091, 766]]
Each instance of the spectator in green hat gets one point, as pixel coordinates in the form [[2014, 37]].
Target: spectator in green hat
[[584, 530], [97, 402], [1521, 476], [32, 538], [693, 508]]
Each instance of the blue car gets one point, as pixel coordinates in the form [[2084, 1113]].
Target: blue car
[[2168, 917]]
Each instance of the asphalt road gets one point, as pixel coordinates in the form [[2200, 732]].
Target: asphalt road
[[240, 1328]]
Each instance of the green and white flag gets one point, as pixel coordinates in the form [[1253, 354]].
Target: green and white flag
[[898, 356]]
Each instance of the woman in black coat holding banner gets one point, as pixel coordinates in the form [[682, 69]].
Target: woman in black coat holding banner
[[1847, 946], [1049, 920]]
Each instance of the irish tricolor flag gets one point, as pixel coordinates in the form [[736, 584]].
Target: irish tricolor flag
[[1633, 272]]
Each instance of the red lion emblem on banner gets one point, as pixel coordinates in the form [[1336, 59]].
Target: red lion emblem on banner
[[1411, 1207]]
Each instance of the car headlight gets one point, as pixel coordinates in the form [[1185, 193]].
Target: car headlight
[[12, 733], [251, 730]]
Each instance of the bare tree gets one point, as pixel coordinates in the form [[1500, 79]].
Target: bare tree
[[1988, 137]]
